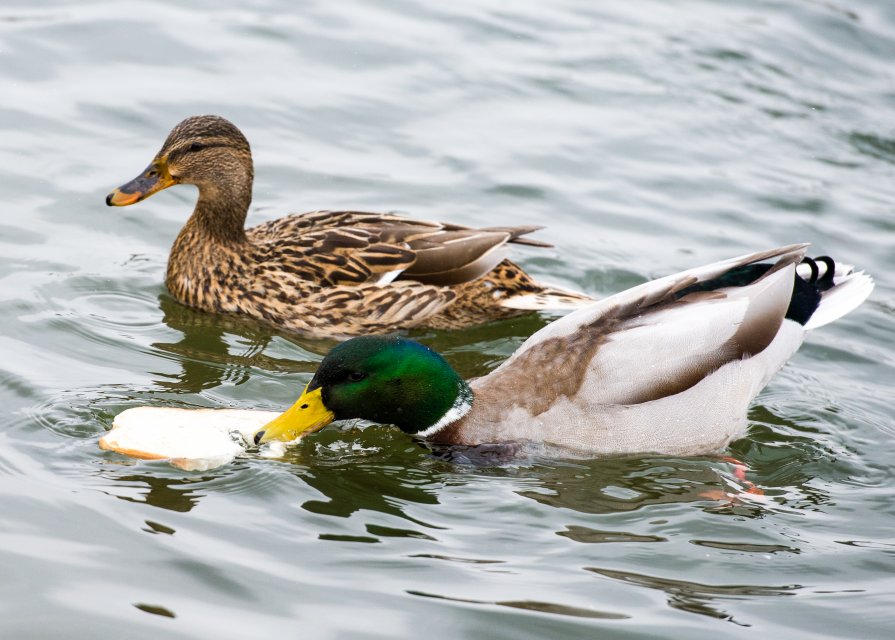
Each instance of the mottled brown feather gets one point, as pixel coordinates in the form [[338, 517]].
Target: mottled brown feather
[[328, 273]]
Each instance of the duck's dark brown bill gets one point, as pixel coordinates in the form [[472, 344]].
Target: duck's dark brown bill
[[152, 180]]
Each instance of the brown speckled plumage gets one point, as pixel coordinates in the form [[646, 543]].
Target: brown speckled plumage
[[325, 273]]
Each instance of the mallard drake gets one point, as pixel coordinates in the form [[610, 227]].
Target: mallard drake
[[667, 367], [327, 273]]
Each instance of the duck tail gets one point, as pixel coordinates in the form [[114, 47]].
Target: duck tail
[[841, 288]]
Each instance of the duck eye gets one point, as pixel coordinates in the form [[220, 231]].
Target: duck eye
[[356, 376], [197, 146]]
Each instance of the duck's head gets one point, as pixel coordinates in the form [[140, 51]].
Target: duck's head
[[385, 379], [207, 151]]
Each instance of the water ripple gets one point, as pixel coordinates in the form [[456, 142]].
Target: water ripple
[[648, 137]]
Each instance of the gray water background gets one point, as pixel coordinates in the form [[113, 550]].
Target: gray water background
[[647, 136]]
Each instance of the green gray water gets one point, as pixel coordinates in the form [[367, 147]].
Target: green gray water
[[647, 137]]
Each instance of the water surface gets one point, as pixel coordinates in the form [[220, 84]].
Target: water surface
[[648, 137]]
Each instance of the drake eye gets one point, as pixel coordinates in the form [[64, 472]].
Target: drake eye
[[356, 376], [197, 146]]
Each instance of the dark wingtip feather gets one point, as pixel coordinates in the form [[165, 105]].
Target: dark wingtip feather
[[516, 234]]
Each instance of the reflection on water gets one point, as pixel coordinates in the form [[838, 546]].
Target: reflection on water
[[624, 485], [204, 355], [376, 469], [874, 145], [587, 535], [475, 561], [155, 609], [172, 494], [208, 357], [693, 597], [534, 605], [157, 527], [746, 547], [364, 473]]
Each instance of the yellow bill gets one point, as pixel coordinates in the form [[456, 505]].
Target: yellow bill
[[307, 415]]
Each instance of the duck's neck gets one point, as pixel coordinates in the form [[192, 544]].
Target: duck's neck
[[456, 412], [213, 236], [220, 212]]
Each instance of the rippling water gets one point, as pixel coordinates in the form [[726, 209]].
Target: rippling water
[[649, 137]]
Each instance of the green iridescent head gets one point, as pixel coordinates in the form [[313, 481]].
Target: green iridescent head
[[385, 379]]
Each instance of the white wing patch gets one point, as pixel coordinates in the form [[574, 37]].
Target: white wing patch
[[389, 276]]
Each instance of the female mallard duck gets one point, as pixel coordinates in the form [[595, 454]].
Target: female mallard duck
[[667, 367], [326, 273]]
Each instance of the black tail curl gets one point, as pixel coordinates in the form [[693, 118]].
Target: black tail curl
[[825, 281], [806, 293]]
